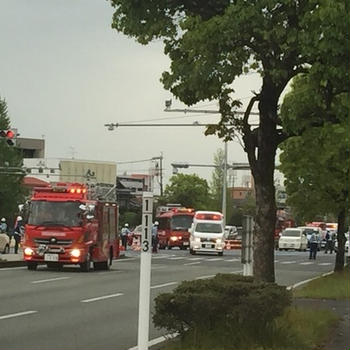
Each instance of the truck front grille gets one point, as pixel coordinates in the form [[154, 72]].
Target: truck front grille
[[48, 241]]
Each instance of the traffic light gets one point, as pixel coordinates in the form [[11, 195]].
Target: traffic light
[[9, 135]]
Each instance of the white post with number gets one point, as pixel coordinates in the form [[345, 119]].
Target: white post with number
[[145, 271]]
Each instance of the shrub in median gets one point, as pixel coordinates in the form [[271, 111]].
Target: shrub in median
[[227, 311]]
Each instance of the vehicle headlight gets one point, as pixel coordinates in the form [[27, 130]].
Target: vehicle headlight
[[173, 238], [75, 253], [28, 251], [197, 239], [219, 240]]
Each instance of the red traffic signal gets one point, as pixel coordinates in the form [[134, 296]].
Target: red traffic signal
[[9, 135]]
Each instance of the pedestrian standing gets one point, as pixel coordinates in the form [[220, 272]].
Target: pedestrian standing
[[313, 245], [3, 226], [155, 237], [328, 246], [125, 233], [17, 232]]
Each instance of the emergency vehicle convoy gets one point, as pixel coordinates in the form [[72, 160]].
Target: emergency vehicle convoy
[[207, 233], [174, 223], [64, 226]]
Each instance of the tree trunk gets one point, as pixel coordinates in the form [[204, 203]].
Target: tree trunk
[[339, 259], [262, 164]]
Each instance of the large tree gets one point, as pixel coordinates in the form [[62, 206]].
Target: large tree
[[217, 179], [211, 43], [188, 190], [316, 164], [11, 189]]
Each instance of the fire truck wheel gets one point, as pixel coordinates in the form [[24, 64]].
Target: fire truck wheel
[[31, 265], [220, 253], [86, 265], [169, 247], [183, 247]]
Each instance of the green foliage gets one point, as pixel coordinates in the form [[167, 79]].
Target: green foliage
[[188, 190], [334, 286], [316, 164], [12, 192], [130, 217], [212, 310]]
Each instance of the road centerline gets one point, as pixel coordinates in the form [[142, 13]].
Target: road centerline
[[18, 314], [163, 285], [50, 280], [101, 297]]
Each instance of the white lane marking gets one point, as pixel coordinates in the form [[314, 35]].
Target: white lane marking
[[51, 280], [204, 277], [276, 261], [288, 262], [324, 264], [18, 314], [163, 285], [192, 263], [123, 260], [194, 259], [235, 259], [306, 263], [13, 268], [309, 280], [177, 258], [157, 340], [158, 267], [217, 259], [101, 298], [162, 256]]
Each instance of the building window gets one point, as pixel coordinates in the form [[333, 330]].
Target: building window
[[52, 171], [41, 170]]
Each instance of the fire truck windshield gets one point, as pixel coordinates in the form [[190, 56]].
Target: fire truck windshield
[[49, 213], [181, 222], [208, 227]]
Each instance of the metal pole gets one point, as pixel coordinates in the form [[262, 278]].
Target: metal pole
[[145, 271], [224, 185], [161, 173]]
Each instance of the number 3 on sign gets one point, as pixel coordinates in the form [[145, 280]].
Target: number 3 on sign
[[145, 246]]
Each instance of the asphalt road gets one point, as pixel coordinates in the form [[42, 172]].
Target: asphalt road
[[48, 309]]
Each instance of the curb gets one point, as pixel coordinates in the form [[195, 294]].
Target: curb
[[16, 263]]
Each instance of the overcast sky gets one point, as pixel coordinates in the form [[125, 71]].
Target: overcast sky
[[65, 73]]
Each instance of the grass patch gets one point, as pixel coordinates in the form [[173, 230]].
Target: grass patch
[[297, 329], [334, 286]]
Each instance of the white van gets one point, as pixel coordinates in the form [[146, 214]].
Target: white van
[[207, 233], [293, 238]]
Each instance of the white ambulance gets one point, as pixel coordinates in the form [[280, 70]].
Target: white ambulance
[[207, 233]]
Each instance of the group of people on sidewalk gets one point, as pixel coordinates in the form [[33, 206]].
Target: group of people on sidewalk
[[16, 233], [125, 232], [315, 241]]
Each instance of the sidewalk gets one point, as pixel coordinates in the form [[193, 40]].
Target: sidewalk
[[12, 260]]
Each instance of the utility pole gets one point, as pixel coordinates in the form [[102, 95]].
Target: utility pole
[[224, 185]]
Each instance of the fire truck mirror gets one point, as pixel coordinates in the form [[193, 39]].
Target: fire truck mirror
[[91, 208], [89, 217], [82, 207]]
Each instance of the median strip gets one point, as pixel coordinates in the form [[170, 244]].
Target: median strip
[[50, 280], [101, 298], [18, 314]]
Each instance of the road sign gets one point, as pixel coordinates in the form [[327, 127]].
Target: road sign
[[145, 271]]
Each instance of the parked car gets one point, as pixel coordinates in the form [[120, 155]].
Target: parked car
[[308, 230], [346, 248], [4, 243], [230, 232], [135, 233], [293, 238]]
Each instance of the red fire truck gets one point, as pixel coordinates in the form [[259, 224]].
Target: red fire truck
[[173, 227], [64, 226]]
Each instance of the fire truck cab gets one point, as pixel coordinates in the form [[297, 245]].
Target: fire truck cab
[[207, 233], [64, 227], [174, 223]]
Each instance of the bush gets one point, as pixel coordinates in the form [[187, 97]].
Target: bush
[[229, 311]]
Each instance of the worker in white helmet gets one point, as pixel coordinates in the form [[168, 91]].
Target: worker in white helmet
[[18, 232], [3, 226], [125, 232]]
